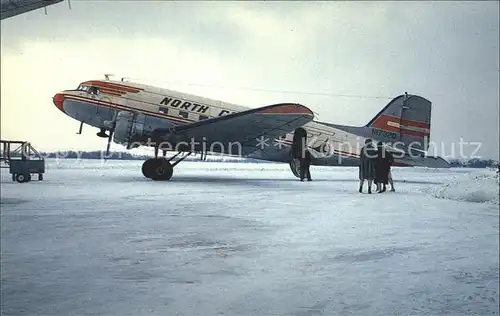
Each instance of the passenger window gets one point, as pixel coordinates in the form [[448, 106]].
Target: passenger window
[[163, 110], [203, 117], [183, 114]]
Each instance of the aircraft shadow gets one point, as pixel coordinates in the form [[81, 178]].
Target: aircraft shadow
[[257, 180], [254, 181]]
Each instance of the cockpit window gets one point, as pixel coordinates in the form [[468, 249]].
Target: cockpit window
[[89, 89], [83, 88], [94, 90]]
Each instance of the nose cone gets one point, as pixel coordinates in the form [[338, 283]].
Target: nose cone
[[58, 100]]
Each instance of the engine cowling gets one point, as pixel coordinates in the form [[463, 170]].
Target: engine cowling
[[129, 129]]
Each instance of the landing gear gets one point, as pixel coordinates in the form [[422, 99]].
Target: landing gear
[[160, 169], [295, 167]]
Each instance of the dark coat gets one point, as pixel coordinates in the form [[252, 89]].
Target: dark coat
[[308, 156], [305, 164], [383, 166], [367, 158]]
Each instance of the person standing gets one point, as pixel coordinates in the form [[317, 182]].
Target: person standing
[[305, 164], [383, 168], [367, 165], [391, 182]]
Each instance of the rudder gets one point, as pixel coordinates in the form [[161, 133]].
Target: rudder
[[406, 119]]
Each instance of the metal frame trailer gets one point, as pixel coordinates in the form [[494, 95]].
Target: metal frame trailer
[[23, 161]]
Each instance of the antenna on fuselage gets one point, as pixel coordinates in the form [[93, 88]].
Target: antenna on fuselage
[[405, 100], [107, 76]]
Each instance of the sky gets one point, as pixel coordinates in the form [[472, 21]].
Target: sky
[[344, 60]]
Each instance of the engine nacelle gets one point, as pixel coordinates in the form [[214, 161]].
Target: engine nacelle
[[129, 129]]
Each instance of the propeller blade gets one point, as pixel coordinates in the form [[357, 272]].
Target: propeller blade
[[111, 131], [109, 145]]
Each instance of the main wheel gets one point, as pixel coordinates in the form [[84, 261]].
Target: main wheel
[[158, 169], [295, 167], [163, 170], [148, 168]]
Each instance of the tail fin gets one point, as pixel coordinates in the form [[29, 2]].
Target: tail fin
[[407, 119]]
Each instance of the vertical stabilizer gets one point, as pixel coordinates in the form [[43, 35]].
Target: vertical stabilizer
[[406, 119]]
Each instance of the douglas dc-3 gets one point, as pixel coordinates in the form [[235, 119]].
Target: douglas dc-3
[[134, 115]]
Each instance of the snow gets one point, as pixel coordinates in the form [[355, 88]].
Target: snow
[[480, 186], [97, 238]]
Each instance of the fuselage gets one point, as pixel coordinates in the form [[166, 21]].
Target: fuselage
[[96, 102]]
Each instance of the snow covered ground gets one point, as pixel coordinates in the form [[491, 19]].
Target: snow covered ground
[[97, 238]]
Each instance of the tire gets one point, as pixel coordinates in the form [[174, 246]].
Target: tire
[[21, 178], [13, 177], [295, 167], [162, 170], [40, 177], [148, 168]]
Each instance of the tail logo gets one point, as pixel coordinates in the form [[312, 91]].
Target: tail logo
[[393, 125]]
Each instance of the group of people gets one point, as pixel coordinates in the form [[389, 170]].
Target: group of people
[[375, 166]]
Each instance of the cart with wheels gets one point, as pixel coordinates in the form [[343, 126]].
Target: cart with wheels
[[22, 162]]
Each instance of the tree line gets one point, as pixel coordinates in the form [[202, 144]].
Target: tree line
[[97, 154]]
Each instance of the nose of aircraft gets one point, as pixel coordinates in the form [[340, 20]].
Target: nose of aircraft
[[58, 100]]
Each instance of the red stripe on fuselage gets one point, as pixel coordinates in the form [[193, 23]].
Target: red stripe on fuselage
[[111, 105], [383, 120], [112, 92], [113, 86], [414, 133], [386, 123], [415, 124]]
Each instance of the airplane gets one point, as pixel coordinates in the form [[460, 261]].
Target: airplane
[[134, 114]]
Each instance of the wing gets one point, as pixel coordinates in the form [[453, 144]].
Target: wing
[[243, 129], [12, 8]]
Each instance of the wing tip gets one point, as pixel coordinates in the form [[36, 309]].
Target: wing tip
[[288, 108]]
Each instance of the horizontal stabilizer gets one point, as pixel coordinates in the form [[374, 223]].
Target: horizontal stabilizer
[[427, 161]]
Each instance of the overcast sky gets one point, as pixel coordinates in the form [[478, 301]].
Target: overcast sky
[[445, 51]]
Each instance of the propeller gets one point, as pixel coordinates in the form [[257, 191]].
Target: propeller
[[112, 126], [110, 137]]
